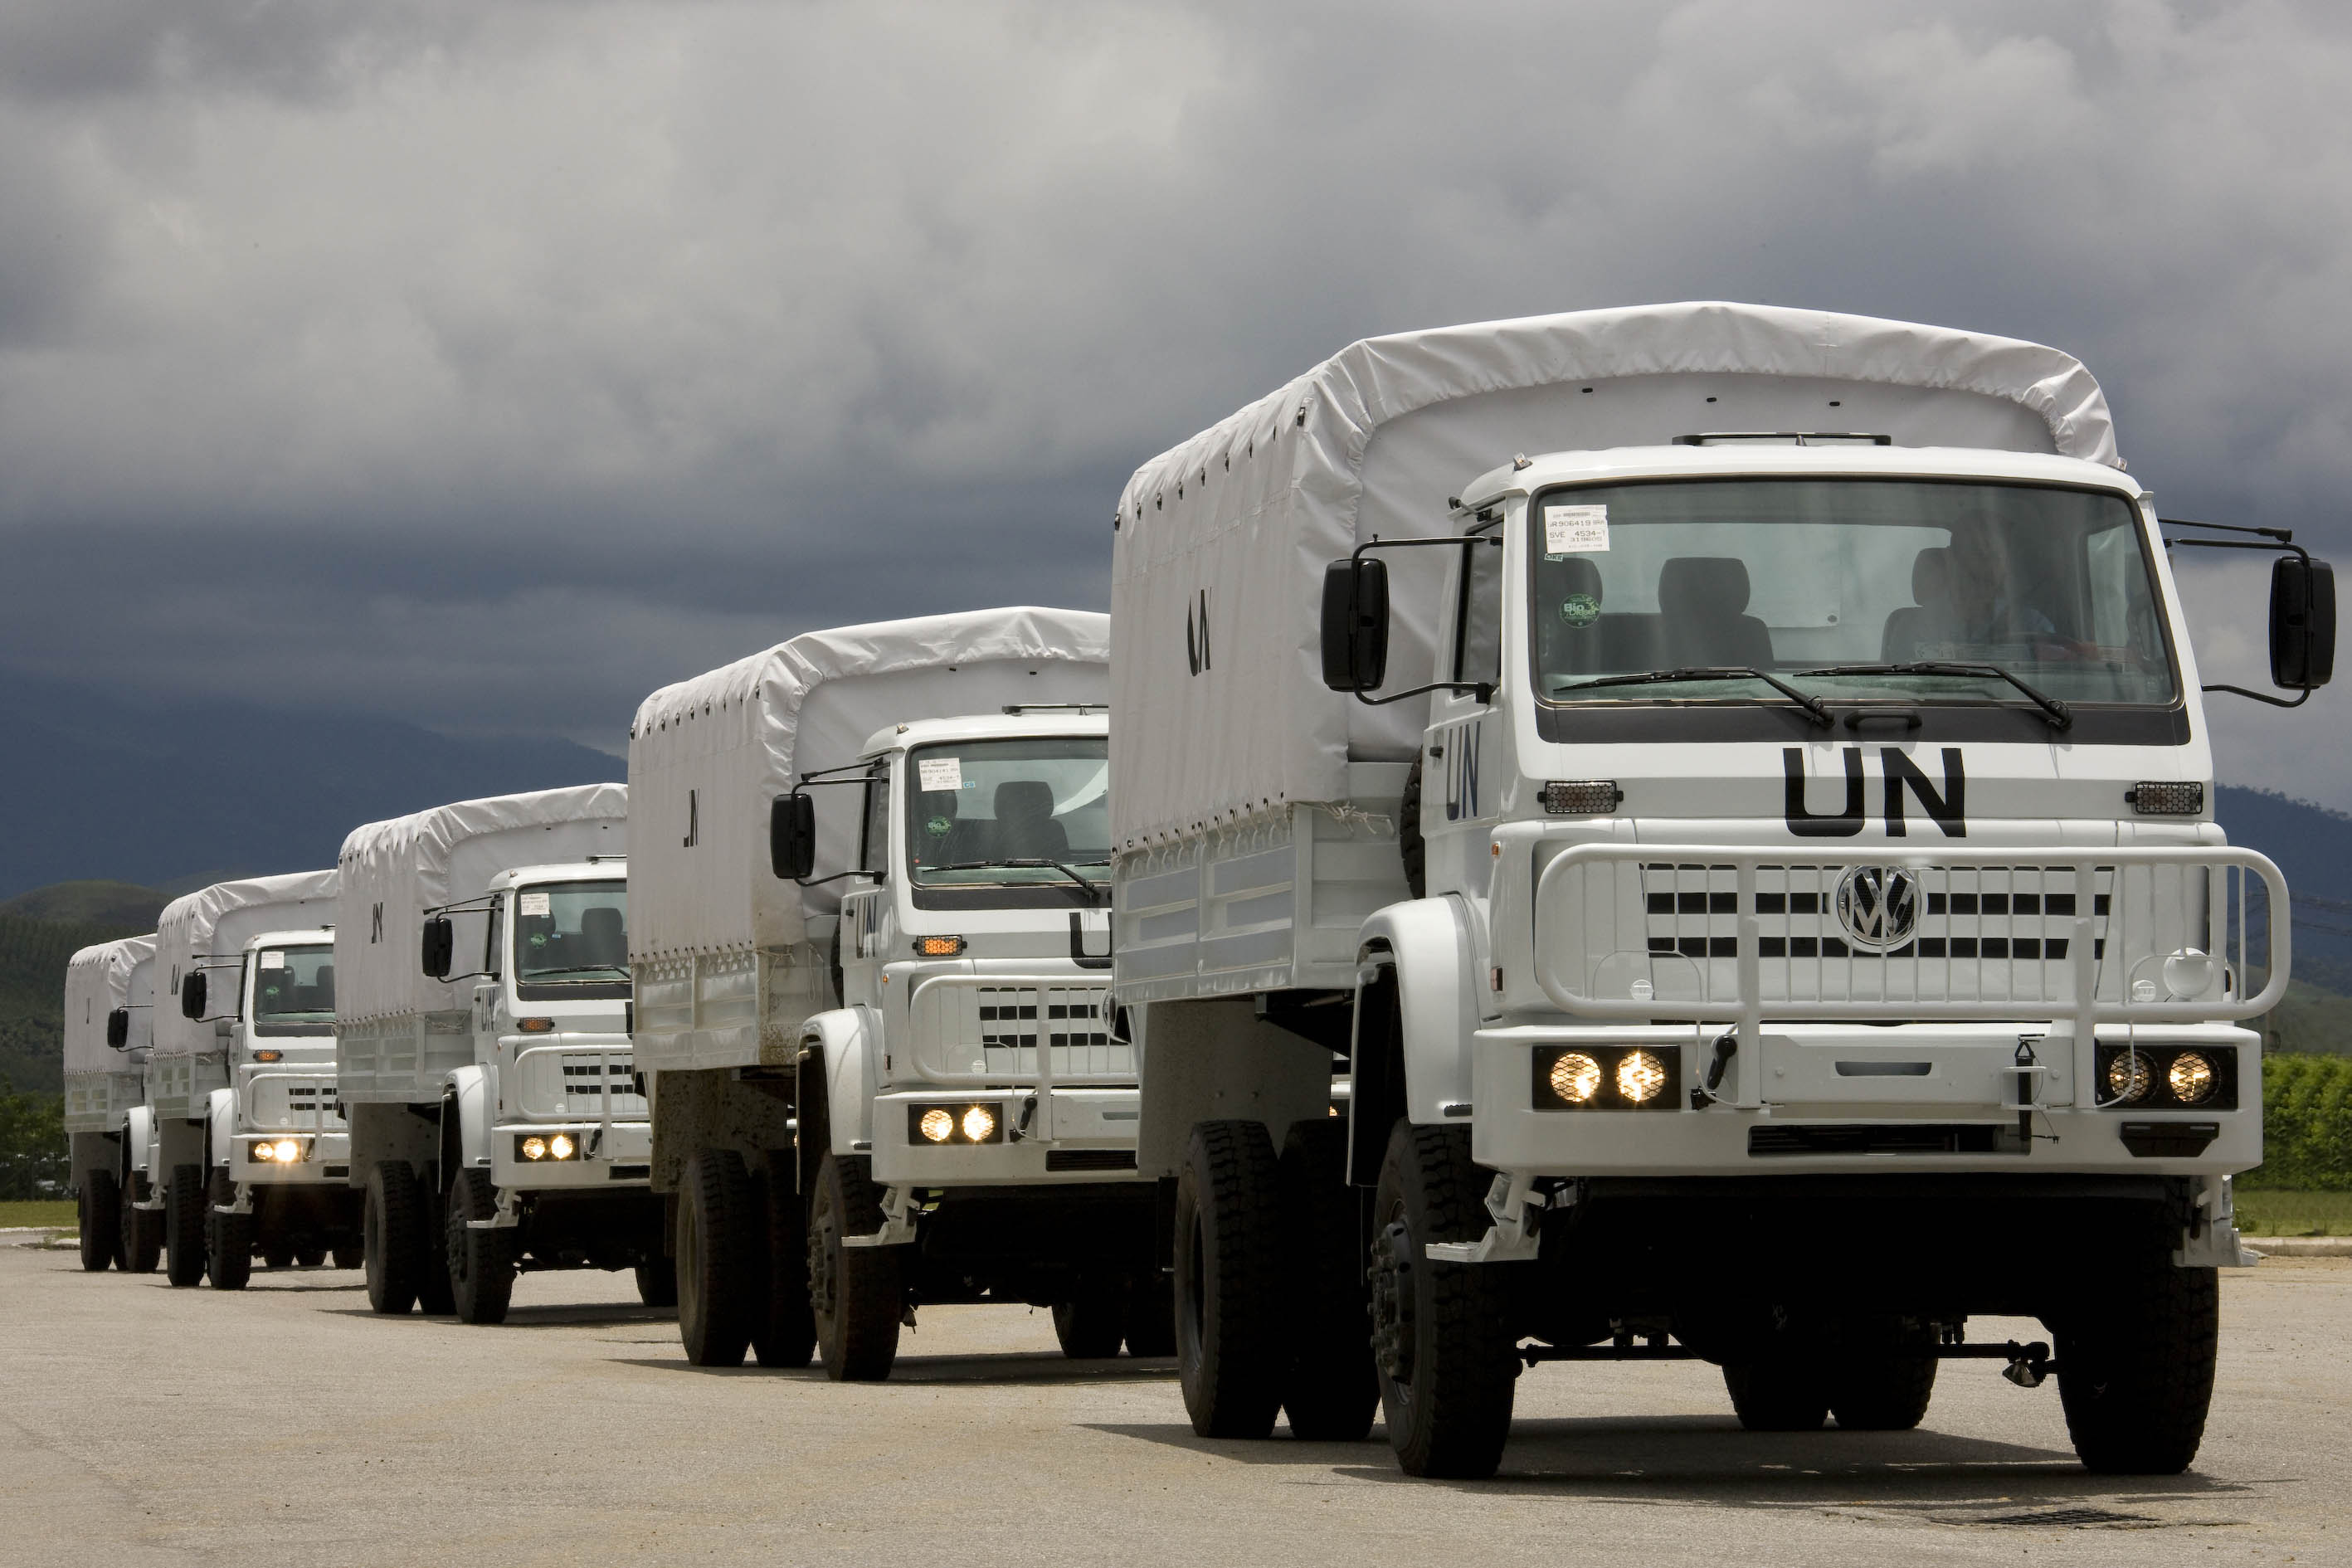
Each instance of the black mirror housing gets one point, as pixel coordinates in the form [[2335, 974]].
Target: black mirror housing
[[192, 996], [118, 1028], [2302, 623], [1355, 624], [792, 837], [438, 947]]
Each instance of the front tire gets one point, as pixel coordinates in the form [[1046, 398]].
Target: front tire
[[229, 1237], [2135, 1360], [1441, 1331], [857, 1294], [1091, 1324], [481, 1262], [143, 1234], [658, 1282], [184, 1226], [787, 1333], [389, 1221], [719, 1267], [1885, 1387], [1774, 1391], [1332, 1392], [1151, 1317], [99, 1210], [1229, 1280]]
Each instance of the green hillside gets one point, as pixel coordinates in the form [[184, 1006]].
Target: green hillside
[[33, 957], [91, 903]]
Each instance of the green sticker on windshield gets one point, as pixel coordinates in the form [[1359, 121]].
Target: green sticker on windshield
[[1579, 609], [938, 826]]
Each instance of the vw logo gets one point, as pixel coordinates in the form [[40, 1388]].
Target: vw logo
[[1878, 906]]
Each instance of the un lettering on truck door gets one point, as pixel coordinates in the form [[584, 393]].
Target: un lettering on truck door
[[1945, 807]]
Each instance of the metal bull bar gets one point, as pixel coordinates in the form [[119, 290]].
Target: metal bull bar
[[603, 1055], [320, 1104], [1043, 1080]]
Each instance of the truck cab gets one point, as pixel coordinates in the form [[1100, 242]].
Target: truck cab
[[976, 1081]]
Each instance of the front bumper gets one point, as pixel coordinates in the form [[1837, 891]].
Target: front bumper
[[1831, 1099], [608, 1158], [1067, 1136]]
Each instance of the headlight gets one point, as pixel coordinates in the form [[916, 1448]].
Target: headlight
[[1576, 1078], [2127, 1076], [546, 1146], [286, 1151], [562, 1146], [978, 1124], [937, 1125], [1640, 1076], [534, 1149], [965, 1123], [2190, 1079]]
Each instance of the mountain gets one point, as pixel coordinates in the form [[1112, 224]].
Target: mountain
[[100, 903], [33, 955], [2313, 847], [96, 786]]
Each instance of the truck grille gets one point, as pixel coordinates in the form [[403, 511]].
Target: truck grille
[[994, 1031], [1691, 917]]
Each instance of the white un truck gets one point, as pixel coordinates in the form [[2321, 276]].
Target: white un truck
[[872, 967], [481, 1033], [1730, 787], [109, 1024], [244, 1138]]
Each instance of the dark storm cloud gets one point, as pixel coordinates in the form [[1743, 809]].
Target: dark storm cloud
[[490, 366]]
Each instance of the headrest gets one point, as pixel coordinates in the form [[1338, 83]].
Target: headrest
[[601, 921], [1704, 585], [1576, 575], [1023, 800], [1931, 575]]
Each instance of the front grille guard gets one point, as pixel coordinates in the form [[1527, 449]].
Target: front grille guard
[[531, 1107], [2125, 911], [930, 1006], [321, 1107]]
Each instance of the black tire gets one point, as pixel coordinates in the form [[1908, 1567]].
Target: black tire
[[481, 1262], [1411, 848], [275, 1255], [349, 1255], [1331, 1391], [857, 1295], [389, 1219], [98, 1207], [184, 1226], [1441, 1331], [786, 1334], [720, 1272], [1091, 1325], [1229, 1279], [142, 1234], [229, 1237], [310, 1257], [1150, 1316], [658, 1282], [1880, 1387], [2136, 1357], [436, 1295], [1776, 1392]]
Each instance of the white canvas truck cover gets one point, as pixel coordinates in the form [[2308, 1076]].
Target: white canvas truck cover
[[394, 871], [1221, 545], [707, 756], [219, 920], [98, 980]]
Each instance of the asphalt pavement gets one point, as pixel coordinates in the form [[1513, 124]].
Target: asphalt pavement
[[286, 1426]]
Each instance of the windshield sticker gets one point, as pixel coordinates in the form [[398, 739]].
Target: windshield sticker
[[1575, 530], [532, 904], [273, 959], [1579, 609], [940, 773]]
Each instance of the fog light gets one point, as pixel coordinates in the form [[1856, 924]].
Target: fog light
[[2126, 1077], [1576, 1078], [534, 1148], [937, 1125], [1640, 1076], [286, 1151], [937, 946], [2190, 1079], [978, 1124], [562, 1146]]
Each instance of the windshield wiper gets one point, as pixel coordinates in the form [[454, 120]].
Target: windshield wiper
[[1813, 706], [1092, 893], [2060, 716], [547, 976]]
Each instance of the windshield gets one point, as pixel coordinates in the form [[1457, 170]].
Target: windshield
[[572, 939], [294, 990], [1009, 813], [1797, 575]]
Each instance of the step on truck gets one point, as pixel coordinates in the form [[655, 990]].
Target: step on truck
[[871, 982], [245, 1141], [1730, 785], [481, 1036], [109, 1025]]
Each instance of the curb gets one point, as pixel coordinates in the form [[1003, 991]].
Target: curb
[[2298, 1246]]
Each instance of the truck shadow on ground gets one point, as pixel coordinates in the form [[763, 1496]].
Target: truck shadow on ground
[[1709, 1460], [582, 1315], [1014, 1370]]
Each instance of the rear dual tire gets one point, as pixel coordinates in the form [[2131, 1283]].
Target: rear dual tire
[[141, 1233], [99, 1206]]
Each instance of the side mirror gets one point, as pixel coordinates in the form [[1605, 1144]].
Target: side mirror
[[439, 947], [118, 1028], [792, 837], [2302, 623], [192, 996], [1355, 624]]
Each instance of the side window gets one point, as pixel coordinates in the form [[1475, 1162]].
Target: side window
[[874, 853], [494, 930], [1479, 626]]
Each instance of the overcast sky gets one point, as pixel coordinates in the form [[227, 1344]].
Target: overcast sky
[[491, 365]]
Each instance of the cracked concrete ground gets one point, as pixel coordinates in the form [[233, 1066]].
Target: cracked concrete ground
[[285, 1426]]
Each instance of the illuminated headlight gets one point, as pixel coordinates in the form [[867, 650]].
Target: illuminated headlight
[[552, 1146], [937, 1125], [534, 1149], [2191, 1078], [978, 1124], [275, 1151], [1605, 1077], [1576, 1078], [966, 1123], [2127, 1076], [1640, 1077]]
